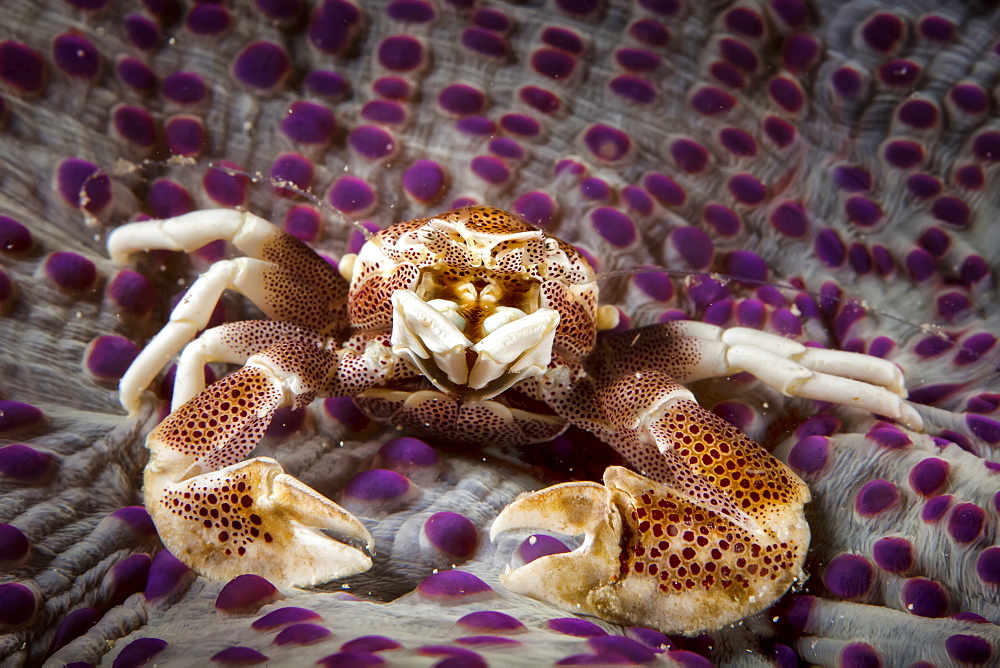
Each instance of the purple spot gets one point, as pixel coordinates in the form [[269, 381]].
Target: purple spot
[[859, 655], [539, 545], [968, 649], [343, 409], [614, 226], [14, 545], [875, 496], [184, 135], [747, 189], [848, 576], [606, 143], [829, 248], [786, 323], [615, 646], [184, 88], [540, 99], [401, 53], [76, 55], [745, 21], [638, 60], [226, 188], [17, 604], [303, 222], [351, 195], [461, 100], [739, 54], [847, 82], [928, 477], [711, 101], [786, 93], [208, 20], [655, 284], [370, 644], [790, 219], [970, 177], [860, 258], [952, 305], [983, 427], [632, 88], [966, 523], [351, 659], [74, 625], [809, 455], [722, 219], [136, 74], [377, 485], [245, 594], [492, 19], [332, 26], [738, 142], [780, 131], [281, 11], [536, 207], [650, 32], [894, 555], [167, 575], [563, 39], [925, 598], [883, 32], [970, 98], [923, 186], [425, 181], [302, 633], [385, 112], [167, 199], [935, 241], [903, 154], [862, 211], [666, 191], [453, 534], [309, 123], [520, 125], [83, 184], [21, 67], [745, 265], [70, 272], [903, 73], [975, 347], [800, 53], [142, 31], [719, 313], [988, 566], [476, 125], [326, 83], [128, 577], [636, 199], [574, 626], [262, 65], [108, 357], [935, 508], [727, 75], [919, 114], [490, 621], [694, 246], [492, 170], [484, 42], [689, 155], [372, 143], [447, 586], [920, 264], [889, 438], [14, 237], [852, 178], [284, 617], [951, 210], [986, 146], [410, 11], [291, 169], [936, 28], [237, 655], [595, 189], [138, 652]]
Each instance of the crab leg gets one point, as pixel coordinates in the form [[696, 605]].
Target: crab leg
[[713, 531], [234, 343], [282, 276], [223, 516], [690, 351]]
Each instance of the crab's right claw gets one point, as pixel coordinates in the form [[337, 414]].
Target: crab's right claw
[[652, 557]]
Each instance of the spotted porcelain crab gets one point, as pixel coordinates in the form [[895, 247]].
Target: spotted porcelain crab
[[473, 326]]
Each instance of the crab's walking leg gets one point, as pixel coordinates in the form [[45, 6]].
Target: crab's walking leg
[[282, 276], [711, 532], [223, 516], [689, 351]]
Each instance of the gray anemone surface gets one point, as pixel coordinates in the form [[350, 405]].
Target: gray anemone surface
[[824, 170]]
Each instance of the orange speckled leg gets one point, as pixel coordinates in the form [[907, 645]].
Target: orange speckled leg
[[223, 516], [710, 532]]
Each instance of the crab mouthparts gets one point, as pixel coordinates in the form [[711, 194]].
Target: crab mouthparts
[[515, 346]]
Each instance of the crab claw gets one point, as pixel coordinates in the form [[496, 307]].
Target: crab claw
[[653, 557]]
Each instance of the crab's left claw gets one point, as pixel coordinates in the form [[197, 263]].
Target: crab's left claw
[[652, 558]]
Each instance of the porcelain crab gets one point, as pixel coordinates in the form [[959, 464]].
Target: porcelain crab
[[474, 326]]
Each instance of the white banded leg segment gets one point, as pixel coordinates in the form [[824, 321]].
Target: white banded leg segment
[[191, 231], [232, 343]]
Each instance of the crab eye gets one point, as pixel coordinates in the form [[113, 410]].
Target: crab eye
[[428, 236], [551, 246]]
